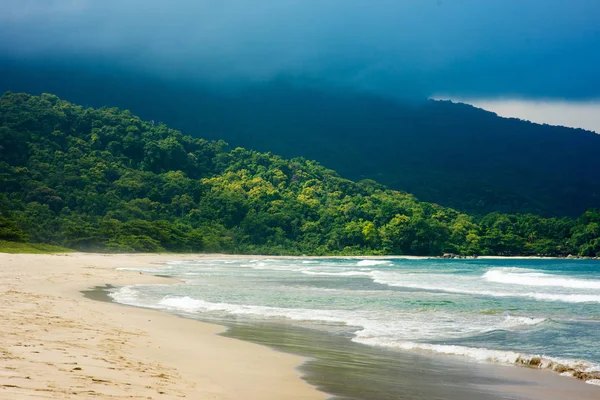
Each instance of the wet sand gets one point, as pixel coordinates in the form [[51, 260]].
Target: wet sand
[[359, 372], [56, 343]]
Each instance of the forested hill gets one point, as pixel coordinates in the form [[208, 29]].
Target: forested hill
[[451, 154], [102, 179]]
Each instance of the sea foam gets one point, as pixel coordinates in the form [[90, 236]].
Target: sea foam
[[343, 273], [538, 279], [440, 312], [572, 367], [188, 304], [445, 284], [370, 330], [511, 321], [371, 263]]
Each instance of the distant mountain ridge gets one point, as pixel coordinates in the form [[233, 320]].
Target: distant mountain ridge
[[452, 154], [105, 180]]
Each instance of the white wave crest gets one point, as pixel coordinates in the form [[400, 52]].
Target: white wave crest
[[478, 354], [189, 304], [371, 263], [511, 321], [487, 355], [538, 279], [125, 295], [567, 298], [402, 280], [343, 273]]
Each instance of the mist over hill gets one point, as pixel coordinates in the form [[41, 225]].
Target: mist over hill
[[451, 154]]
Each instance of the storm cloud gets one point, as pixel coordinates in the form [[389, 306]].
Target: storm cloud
[[466, 48]]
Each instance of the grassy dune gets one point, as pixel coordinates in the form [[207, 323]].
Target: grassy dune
[[30, 248]]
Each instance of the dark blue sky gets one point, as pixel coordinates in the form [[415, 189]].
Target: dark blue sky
[[532, 49]]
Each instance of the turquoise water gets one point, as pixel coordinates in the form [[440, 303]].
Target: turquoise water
[[481, 310]]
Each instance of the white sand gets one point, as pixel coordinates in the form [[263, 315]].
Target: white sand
[[56, 344]]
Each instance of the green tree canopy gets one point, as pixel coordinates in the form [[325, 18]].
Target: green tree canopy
[[104, 180]]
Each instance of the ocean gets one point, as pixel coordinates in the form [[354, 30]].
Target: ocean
[[544, 313]]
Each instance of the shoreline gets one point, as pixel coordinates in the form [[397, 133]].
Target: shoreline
[[59, 344], [135, 341], [487, 380]]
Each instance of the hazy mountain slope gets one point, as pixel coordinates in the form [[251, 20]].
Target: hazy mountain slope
[[104, 179], [451, 154]]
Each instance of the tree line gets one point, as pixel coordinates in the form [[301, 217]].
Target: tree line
[[104, 180]]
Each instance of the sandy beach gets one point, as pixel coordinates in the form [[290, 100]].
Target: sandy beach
[[56, 344]]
